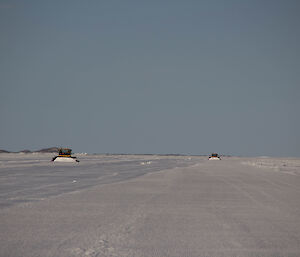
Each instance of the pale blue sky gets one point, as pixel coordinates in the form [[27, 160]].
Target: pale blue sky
[[189, 77]]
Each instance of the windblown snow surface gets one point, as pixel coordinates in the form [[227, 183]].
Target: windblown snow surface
[[134, 205]]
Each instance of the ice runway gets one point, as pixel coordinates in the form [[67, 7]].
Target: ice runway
[[152, 206]]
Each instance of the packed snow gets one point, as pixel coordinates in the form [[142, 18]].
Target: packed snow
[[288, 165]]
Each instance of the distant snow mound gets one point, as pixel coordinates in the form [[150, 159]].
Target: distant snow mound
[[48, 150], [45, 150], [25, 151]]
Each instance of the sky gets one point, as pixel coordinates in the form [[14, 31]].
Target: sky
[[162, 77]]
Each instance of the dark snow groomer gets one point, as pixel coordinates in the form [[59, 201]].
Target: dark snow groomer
[[64, 155]]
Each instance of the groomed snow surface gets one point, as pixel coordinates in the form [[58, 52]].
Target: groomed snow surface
[[126, 205]]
